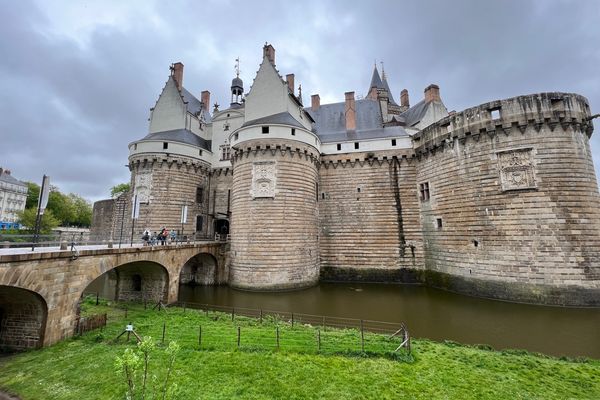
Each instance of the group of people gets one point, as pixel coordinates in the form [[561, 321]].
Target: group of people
[[161, 237]]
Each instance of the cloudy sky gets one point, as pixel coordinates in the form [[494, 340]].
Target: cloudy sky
[[77, 78]]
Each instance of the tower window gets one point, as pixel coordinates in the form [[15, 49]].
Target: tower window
[[236, 136], [165, 145], [199, 152], [322, 196], [424, 191], [225, 152], [135, 146], [293, 132], [199, 194], [265, 129], [439, 223], [393, 142], [356, 144], [339, 146]]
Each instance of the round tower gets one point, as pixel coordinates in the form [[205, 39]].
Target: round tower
[[274, 243]]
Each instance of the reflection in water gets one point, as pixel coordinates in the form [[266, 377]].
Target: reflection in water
[[430, 313]]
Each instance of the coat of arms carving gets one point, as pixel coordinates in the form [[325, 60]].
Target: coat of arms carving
[[264, 176], [517, 170]]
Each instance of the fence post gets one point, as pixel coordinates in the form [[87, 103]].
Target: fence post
[[261, 316], [362, 336], [318, 339], [96, 298], [292, 320], [239, 335], [125, 312], [200, 337], [232, 313], [184, 307], [277, 333], [163, 335], [323, 322]]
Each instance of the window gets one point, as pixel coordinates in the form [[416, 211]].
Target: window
[[135, 146], [199, 152], [339, 146], [265, 129], [358, 190], [356, 145], [236, 136], [199, 194], [322, 196], [293, 132], [225, 152], [199, 223], [165, 145], [495, 114], [439, 223], [393, 142], [424, 190]]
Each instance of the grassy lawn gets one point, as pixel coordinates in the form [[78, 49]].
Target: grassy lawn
[[84, 367]]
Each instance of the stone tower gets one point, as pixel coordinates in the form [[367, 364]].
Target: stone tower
[[274, 242]]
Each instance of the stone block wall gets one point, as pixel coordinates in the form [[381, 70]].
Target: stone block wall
[[369, 216], [164, 186], [151, 278], [513, 209], [102, 218], [274, 216], [220, 191], [22, 319]]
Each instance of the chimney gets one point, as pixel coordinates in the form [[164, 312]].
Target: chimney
[[315, 100], [289, 78], [432, 93], [205, 99], [269, 52], [350, 111], [404, 98], [177, 72]]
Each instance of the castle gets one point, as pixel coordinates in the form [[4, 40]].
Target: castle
[[499, 200]]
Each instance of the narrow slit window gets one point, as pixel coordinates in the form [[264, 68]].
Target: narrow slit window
[[356, 145], [439, 223], [265, 129], [293, 132], [393, 142], [339, 146], [165, 145]]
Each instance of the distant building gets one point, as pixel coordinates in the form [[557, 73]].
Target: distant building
[[13, 194]]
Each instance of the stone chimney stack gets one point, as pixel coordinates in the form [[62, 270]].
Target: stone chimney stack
[[269, 52], [289, 78], [404, 98], [315, 100], [432, 93], [178, 74], [350, 111], [205, 99]]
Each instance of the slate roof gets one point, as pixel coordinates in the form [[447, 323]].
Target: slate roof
[[378, 82], [181, 136], [10, 179], [416, 113], [330, 122], [193, 104], [284, 118]]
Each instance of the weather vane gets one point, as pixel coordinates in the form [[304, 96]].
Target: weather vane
[[237, 67]]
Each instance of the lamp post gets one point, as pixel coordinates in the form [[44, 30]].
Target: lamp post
[[42, 202]]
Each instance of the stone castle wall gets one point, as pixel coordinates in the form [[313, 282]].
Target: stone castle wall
[[274, 216], [220, 203], [164, 185], [369, 219], [514, 208]]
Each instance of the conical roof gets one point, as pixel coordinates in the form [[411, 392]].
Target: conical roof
[[375, 80]]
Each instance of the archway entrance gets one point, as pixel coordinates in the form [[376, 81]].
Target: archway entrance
[[199, 270], [136, 281], [23, 316]]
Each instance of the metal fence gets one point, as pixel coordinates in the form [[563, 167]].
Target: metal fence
[[86, 324]]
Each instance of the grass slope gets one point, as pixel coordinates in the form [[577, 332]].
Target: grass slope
[[85, 367]]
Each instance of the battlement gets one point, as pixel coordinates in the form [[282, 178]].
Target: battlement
[[502, 115]]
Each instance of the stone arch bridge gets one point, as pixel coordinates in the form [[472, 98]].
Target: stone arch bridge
[[39, 292]]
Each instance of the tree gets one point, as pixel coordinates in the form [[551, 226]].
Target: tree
[[82, 209], [48, 222], [33, 192], [61, 206], [119, 189]]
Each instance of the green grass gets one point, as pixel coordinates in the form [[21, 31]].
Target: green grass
[[85, 367]]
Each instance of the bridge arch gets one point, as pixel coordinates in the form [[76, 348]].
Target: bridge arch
[[132, 281], [201, 269], [23, 316]]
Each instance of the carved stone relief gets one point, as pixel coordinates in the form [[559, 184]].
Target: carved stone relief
[[264, 174], [143, 186], [517, 169]]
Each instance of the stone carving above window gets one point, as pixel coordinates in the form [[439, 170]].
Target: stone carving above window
[[264, 174], [143, 186], [517, 169]]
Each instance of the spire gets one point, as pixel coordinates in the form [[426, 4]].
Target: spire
[[237, 85], [375, 80]]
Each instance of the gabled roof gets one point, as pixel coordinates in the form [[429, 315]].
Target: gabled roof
[[181, 136], [283, 118], [193, 105]]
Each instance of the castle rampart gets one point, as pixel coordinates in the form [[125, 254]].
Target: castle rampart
[[510, 205]]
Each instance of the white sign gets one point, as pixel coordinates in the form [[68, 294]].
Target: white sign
[[184, 210], [44, 193], [135, 212]]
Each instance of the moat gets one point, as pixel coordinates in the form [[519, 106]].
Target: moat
[[430, 313]]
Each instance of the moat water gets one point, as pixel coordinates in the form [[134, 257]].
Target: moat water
[[430, 313]]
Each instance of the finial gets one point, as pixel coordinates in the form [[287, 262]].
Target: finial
[[300, 90], [172, 69], [237, 67], [382, 70], [216, 107]]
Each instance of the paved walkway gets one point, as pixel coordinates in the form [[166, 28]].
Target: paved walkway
[[51, 249]]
